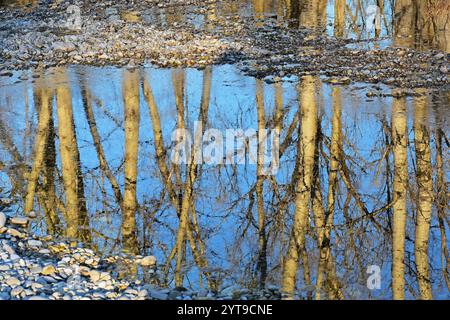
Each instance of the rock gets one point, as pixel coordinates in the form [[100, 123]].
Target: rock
[[49, 279], [16, 291], [32, 214], [114, 19], [19, 221], [97, 276], [13, 282], [14, 257], [36, 270], [143, 293], [36, 286], [48, 270], [38, 298], [4, 267], [105, 276], [15, 233], [342, 80], [111, 295], [439, 56], [110, 11], [443, 69], [2, 219], [147, 261], [60, 46], [8, 249], [34, 243], [84, 271]]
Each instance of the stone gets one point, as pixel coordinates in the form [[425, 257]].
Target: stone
[[2, 219], [111, 295], [16, 291], [4, 267], [105, 276], [14, 257], [143, 293], [34, 243], [94, 275], [32, 214], [48, 270], [13, 282], [36, 286], [63, 46], [15, 233], [84, 271], [38, 298], [8, 249], [49, 279], [19, 221], [147, 261], [36, 270]]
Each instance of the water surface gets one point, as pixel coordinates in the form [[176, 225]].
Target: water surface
[[89, 150]]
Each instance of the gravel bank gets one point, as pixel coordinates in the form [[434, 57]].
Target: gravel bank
[[131, 34], [43, 268]]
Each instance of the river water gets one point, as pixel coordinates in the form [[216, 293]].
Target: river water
[[94, 145]]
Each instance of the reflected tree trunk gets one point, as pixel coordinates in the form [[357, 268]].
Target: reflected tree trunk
[[425, 196], [325, 219], [44, 160], [49, 199], [18, 172], [262, 239], [103, 163], [185, 229], [132, 115], [76, 214], [306, 152], [40, 144], [441, 204], [188, 228], [399, 145]]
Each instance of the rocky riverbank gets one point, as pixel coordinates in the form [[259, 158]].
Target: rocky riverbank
[[43, 268], [132, 34]]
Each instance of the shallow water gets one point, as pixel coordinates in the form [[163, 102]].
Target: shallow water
[[50, 122], [374, 24], [222, 193]]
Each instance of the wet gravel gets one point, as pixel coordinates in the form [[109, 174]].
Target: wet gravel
[[131, 34], [47, 268]]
